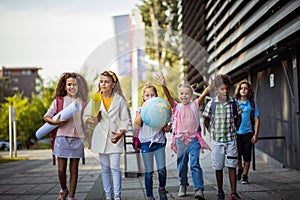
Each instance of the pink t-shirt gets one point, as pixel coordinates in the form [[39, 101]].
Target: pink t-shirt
[[186, 122]]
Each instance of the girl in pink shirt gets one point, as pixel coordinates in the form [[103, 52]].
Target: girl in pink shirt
[[187, 145], [69, 138]]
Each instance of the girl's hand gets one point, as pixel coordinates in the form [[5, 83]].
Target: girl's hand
[[160, 78], [167, 128], [59, 122], [254, 139], [92, 121], [117, 136]]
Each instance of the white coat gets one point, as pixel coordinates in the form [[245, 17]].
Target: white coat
[[113, 120]]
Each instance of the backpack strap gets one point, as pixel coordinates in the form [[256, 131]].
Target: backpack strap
[[234, 108], [59, 107], [193, 107]]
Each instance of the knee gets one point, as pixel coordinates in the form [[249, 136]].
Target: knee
[[149, 174], [61, 171], [162, 171]]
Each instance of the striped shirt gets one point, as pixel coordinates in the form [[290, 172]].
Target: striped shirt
[[222, 121]]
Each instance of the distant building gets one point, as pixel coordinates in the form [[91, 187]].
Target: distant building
[[21, 79]]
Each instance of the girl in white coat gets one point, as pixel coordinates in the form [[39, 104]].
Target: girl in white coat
[[110, 126]]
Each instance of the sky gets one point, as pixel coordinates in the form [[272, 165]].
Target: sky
[[56, 35]]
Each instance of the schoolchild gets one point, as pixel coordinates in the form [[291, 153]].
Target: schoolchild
[[152, 146], [248, 130], [110, 125], [187, 136], [222, 119], [69, 142]]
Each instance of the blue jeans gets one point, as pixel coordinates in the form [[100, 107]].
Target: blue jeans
[[148, 153], [183, 153]]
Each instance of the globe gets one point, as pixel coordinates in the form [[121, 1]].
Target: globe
[[156, 112]]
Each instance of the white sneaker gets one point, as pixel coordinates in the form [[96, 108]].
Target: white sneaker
[[199, 195], [182, 191]]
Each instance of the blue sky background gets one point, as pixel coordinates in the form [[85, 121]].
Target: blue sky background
[[57, 35]]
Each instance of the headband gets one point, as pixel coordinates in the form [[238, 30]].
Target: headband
[[112, 75]]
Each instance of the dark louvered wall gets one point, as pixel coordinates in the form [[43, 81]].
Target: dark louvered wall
[[254, 40]]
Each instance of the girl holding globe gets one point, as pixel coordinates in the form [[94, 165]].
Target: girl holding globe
[[152, 145], [111, 122], [187, 136]]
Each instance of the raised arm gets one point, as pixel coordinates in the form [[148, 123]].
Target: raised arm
[[204, 94], [161, 79]]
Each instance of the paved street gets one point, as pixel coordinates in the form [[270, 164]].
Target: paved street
[[36, 178]]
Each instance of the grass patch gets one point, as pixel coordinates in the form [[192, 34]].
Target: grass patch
[[13, 159]]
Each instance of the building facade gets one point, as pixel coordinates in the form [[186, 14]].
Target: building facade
[[257, 40], [21, 79]]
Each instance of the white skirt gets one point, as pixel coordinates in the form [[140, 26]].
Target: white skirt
[[68, 147]]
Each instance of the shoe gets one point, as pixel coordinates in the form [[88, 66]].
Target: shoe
[[235, 196], [63, 195], [245, 179], [162, 194], [108, 198], [117, 198], [150, 198], [182, 191], [199, 195], [239, 174], [221, 195]]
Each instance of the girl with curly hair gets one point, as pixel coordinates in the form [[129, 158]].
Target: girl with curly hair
[[69, 142]]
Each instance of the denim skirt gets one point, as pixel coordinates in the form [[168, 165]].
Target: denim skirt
[[68, 147]]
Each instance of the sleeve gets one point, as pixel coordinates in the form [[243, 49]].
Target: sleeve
[[174, 108], [139, 109], [124, 116], [206, 113], [87, 111], [52, 110], [196, 104]]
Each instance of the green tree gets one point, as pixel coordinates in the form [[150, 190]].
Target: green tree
[[22, 107], [4, 88], [162, 38], [29, 114]]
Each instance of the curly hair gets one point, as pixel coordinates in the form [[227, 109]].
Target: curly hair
[[237, 94], [82, 85]]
